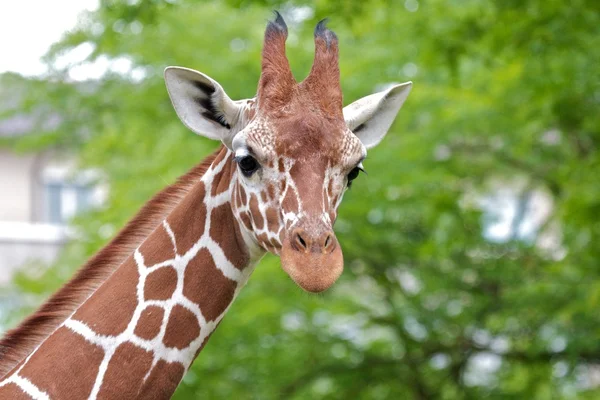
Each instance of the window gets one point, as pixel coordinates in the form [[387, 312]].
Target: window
[[65, 193], [64, 200]]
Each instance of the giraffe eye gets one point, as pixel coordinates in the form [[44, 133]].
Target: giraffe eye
[[353, 175], [248, 165]]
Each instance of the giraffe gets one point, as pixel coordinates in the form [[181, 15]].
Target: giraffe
[[132, 321]]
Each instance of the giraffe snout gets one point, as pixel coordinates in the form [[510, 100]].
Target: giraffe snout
[[312, 257]]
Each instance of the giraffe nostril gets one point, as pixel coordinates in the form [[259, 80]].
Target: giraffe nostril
[[301, 241], [328, 244]]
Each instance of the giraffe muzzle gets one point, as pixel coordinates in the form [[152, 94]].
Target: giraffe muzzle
[[313, 260]]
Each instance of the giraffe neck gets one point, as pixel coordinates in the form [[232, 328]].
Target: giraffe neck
[[138, 334]]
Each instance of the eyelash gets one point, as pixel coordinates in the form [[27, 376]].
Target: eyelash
[[353, 174]]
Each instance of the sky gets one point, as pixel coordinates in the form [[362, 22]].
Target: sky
[[29, 27]]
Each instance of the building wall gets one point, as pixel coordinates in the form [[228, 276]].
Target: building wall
[[24, 237], [24, 242], [39, 194], [16, 185]]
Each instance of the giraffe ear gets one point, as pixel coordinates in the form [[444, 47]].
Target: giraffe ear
[[202, 104], [370, 117]]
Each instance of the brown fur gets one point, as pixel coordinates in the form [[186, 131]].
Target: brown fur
[[21, 341], [125, 373], [51, 377], [113, 304]]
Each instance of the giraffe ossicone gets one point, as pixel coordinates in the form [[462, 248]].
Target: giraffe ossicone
[[135, 317]]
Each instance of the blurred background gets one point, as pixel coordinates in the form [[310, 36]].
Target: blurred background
[[471, 247]]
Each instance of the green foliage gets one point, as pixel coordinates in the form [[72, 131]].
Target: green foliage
[[506, 95]]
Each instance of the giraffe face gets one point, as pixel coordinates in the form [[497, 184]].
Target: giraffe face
[[291, 175], [296, 148]]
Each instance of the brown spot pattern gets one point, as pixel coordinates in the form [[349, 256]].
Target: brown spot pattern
[[110, 309], [243, 197], [272, 219], [162, 381], [157, 248], [220, 156], [182, 328], [55, 360], [225, 231], [245, 217], [221, 185], [335, 199], [255, 213], [236, 197], [150, 322], [263, 240], [188, 218], [289, 203], [21, 341], [205, 285], [125, 373], [282, 236], [271, 191], [13, 392], [332, 216], [160, 284]]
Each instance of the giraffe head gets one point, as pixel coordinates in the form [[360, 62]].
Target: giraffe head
[[296, 147]]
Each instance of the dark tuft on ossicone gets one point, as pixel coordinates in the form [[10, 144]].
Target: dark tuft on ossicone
[[321, 31], [278, 25]]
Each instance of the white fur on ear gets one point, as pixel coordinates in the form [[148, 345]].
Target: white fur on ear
[[201, 103], [370, 118]]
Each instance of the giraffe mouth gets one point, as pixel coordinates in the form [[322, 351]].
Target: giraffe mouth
[[314, 267]]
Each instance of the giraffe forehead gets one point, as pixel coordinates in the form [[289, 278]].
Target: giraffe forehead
[[259, 136], [304, 139]]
